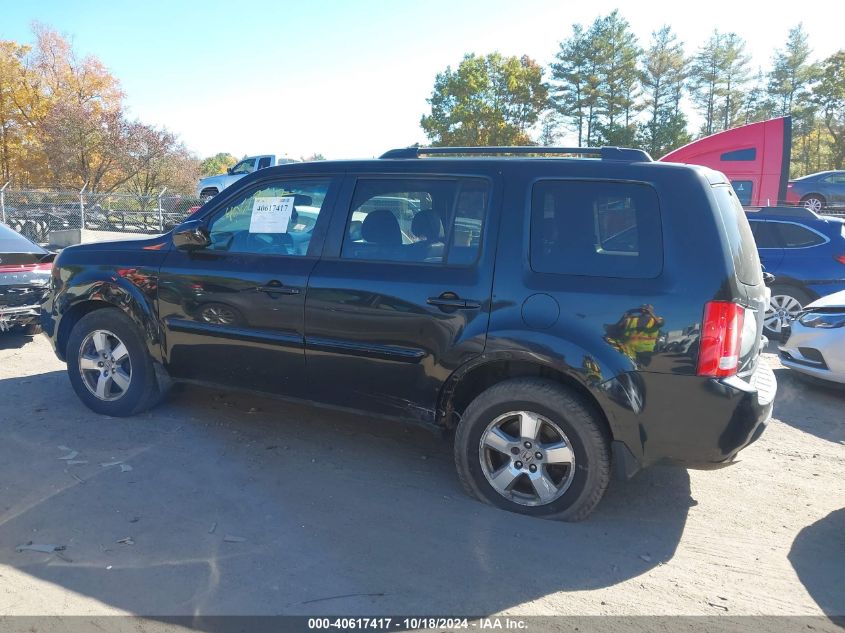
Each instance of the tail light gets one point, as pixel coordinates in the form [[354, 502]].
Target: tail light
[[839, 258], [720, 339]]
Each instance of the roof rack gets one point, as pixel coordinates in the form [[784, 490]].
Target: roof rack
[[604, 153], [783, 211]]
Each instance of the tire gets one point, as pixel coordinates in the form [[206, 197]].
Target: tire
[[787, 301], [141, 389], [579, 486], [814, 202]]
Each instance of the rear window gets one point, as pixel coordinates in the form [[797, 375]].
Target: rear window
[[740, 239], [12, 242], [601, 229]]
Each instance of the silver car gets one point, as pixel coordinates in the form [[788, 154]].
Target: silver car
[[816, 343]]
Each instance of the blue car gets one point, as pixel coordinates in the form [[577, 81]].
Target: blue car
[[806, 254]]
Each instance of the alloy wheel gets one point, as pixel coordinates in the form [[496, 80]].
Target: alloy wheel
[[527, 458], [782, 309], [813, 204], [104, 365]]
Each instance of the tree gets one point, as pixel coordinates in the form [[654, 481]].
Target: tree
[[718, 78], [663, 75], [829, 95], [757, 106], [617, 52], [735, 74], [159, 161], [63, 121], [217, 164], [13, 134], [792, 75], [491, 100], [706, 80], [573, 85]]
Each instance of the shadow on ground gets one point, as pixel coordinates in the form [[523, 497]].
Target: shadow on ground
[[818, 556], [805, 404], [331, 513], [13, 340]]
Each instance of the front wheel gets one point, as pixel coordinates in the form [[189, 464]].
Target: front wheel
[[784, 306], [531, 446], [109, 366]]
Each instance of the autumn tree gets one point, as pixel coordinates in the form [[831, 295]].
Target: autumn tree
[[664, 72], [63, 120], [217, 164], [487, 100], [829, 95]]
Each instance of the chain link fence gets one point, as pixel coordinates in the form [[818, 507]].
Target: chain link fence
[[37, 213]]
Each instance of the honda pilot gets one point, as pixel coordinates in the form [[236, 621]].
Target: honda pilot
[[565, 314]]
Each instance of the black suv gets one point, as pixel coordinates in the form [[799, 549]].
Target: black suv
[[565, 316]]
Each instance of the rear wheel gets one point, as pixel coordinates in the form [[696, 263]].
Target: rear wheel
[[786, 303], [530, 446], [109, 366], [814, 202]]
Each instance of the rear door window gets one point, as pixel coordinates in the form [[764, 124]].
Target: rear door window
[[764, 234], [421, 220], [595, 228], [740, 239]]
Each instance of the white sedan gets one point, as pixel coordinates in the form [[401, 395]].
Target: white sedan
[[816, 343]]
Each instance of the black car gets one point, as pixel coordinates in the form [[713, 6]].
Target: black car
[[565, 317], [818, 191], [24, 280]]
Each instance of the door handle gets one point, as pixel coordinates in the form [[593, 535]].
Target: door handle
[[451, 301], [276, 288]]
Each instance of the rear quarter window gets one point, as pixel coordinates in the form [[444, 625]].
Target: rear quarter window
[[596, 228], [796, 236], [740, 239]]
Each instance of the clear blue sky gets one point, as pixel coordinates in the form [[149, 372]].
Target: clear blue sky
[[350, 79]]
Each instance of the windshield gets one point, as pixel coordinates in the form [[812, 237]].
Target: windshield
[[246, 166]]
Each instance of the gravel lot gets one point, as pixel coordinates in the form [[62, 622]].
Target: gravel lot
[[241, 505]]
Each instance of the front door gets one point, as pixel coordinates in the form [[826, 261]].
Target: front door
[[232, 313], [404, 297]]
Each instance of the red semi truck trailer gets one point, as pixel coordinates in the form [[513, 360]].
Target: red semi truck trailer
[[754, 157]]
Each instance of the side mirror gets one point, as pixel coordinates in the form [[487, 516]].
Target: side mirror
[[191, 236], [229, 170]]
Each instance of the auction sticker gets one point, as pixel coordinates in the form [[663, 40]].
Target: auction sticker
[[271, 215]]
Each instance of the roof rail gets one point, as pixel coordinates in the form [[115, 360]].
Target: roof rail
[[604, 153], [784, 211]]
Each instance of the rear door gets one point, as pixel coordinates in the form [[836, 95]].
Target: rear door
[[401, 296], [233, 312]]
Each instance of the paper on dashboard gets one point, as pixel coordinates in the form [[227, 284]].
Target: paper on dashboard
[[271, 215]]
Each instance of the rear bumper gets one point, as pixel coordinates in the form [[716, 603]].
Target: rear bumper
[[23, 315], [703, 422]]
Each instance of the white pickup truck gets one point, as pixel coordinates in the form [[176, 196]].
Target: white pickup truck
[[212, 185]]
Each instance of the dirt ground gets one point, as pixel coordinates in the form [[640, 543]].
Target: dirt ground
[[240, 505]]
